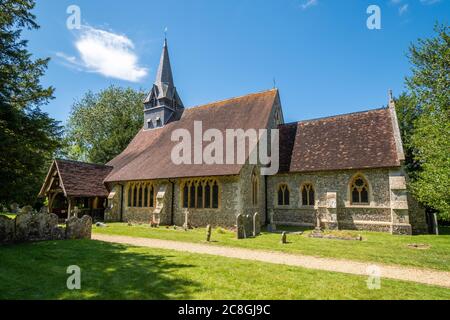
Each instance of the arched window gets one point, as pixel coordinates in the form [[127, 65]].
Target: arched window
[[134, 196], [130, 195], [186, 196], [152, 197], [200, 194], [145, 196], [307, 194], [283, 195], [255, 184], [359, 190]]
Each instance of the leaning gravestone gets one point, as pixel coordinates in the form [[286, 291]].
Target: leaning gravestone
[[79, 228], [256, 224], [6, 229]]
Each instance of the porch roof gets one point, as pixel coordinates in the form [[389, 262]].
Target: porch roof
[[77, 179]]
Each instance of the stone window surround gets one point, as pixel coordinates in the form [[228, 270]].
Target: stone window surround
[[288, 188], [301, 196], [349, 203], [141, 185], [203, 181]]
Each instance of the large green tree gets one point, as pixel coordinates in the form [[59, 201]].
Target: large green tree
[[101, 125], [424, 118], [28, 136]]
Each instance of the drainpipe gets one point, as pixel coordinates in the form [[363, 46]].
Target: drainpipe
[[172, 219]]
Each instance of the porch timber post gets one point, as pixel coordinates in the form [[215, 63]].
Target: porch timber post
[[69, 209]]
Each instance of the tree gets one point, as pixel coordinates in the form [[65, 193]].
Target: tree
[[102, 125], [28, 136], [429, 103]]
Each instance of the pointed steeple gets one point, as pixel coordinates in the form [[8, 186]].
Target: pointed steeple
[[162, 102], [164, 74]]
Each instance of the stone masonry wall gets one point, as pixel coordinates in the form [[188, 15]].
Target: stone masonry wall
[[380, 215]]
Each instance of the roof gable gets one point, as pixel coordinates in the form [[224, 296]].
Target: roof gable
[[351, 141], [148, 156]]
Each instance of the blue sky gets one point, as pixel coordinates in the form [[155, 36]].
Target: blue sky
[[324, 58]]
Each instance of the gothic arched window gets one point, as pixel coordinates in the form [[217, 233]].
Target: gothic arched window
[[359, 190], [283, 195], [307, 194], [130, 195], [200, 194]]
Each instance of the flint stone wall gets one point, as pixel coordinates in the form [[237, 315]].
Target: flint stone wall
[[29, 227]]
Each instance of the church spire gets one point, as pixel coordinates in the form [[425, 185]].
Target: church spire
[[164, 74], [162, 103]]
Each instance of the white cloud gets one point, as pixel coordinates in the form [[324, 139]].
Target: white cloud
[[109, 54], [309, 3], [403, 9]]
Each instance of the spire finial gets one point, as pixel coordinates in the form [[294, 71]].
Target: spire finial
[[391, 97], [165, 36]]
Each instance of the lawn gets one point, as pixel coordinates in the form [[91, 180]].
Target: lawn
[[9, 215], [112, 271], [375, 247]]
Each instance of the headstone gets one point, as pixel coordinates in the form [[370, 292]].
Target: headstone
[[284, 238], [187, 224], [208, 233], [248, 225], [240, 231], [44, 210], [26, 209], [6, 229], [58, 233], [79, 228], [76, 211], [101, 225], [14, 208], [35, 227], [256, 224]]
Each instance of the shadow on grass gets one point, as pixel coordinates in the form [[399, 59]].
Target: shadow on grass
[[108, 271]]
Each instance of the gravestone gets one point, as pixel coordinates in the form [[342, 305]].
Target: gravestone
[[6, 229], [208, 233], [284, 238], [26, 209], [256, 224], [187, 224], [240, 232], [44, 210], [79, 228], [35, 227], [76, 211], [14, 208]]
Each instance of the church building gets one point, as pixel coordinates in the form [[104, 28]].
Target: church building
[[345, 171]]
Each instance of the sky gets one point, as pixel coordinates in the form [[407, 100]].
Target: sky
[[320, 54]]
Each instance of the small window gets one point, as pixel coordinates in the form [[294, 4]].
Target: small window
[[150, 124], [158, 122], [359, 190], [283, 195], [308, 195]]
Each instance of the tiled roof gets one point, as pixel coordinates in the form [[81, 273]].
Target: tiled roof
[[81, 179], [148, 156], [351, 141]]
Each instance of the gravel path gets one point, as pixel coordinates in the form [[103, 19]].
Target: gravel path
[[425, 276]]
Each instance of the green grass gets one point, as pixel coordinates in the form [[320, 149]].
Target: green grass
[[9, 215], [113, 271], [376, 247]]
